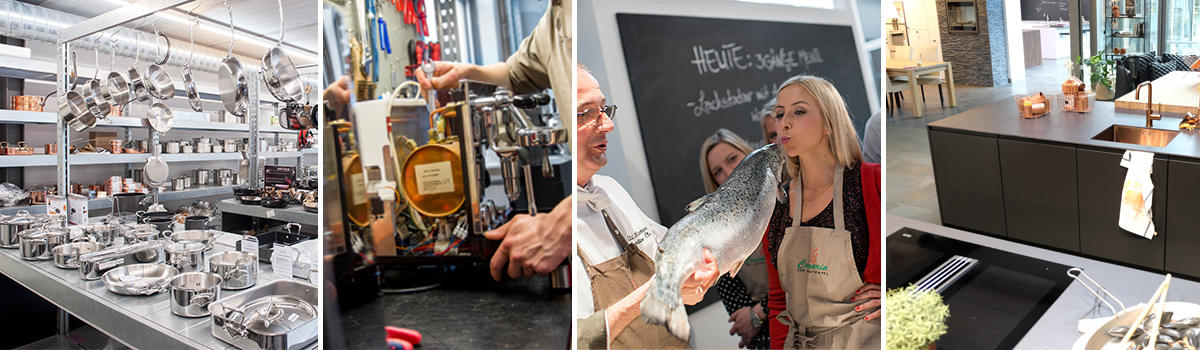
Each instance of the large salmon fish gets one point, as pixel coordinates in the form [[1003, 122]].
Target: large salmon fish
[[729, 222]]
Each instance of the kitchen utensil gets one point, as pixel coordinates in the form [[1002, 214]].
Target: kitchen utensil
[[37, 195], [93, 92], [188, 84], [278, 72], [128, 203], [197, 222], [156, 171], [178, 183], [51, 148], [238, 269], [27, 103], [22, 149], [267, 241], [185, 255], [74, 112], [231, 79], [139, 279], [66, 256], [185, 146], [203, 176], [192, 292], [93, 266], [117, 87], [203, 236], [137, 84], [36, 243], [11, 226], [160, 116], [237, 320]]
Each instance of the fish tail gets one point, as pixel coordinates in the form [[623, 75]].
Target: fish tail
[[663, 305]]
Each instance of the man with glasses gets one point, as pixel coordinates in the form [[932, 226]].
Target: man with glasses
[[617, 242], [533, 245]]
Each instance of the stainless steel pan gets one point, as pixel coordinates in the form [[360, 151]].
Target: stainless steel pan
[[162, 86], [231, 79], [136, 84], [139, 279], [189, 85], [278, 71], [160, 117], [117, 89], [72, 110], [156, 172], [93, 91]]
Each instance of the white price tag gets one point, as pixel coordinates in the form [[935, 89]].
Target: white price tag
[[282, 260], [109, 264], [250, 244], [271, 213], [130, 278], [293, 317]]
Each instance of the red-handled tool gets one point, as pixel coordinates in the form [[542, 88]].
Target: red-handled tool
[[402, 336], [397, 344]]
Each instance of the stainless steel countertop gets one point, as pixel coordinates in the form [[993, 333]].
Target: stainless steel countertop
[[1058, 327], [1001, 118], [143, 322]]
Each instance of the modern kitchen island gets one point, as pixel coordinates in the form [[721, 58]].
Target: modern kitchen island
[[1046, 182]]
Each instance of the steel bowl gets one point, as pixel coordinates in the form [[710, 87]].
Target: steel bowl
[[191, 293], [139, 279], [66, 256]]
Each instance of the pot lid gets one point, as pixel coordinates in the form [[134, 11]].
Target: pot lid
[[185, 247], [156, 171], [160, 117]]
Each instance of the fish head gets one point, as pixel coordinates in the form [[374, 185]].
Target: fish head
[[773, 157]]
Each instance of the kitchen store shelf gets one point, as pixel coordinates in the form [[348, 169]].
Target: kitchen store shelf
[[142, 322], [293, 213], [98, 158], [26, 117], [197, 191]]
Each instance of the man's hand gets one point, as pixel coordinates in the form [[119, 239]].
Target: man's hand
[[338, 94], [445, 75], [871, 292], [697, 284], [742, 325], [533, 245]]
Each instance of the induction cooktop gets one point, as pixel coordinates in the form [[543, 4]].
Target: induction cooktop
[[993, 303]]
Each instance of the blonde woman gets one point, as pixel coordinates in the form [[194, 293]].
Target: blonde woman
[[822, 246], [744, 296]]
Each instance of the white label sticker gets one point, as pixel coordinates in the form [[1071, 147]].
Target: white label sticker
[[282, 260], [250, 244], [271, 213], [293, 317], [109, 264], [130, 278], [356, 196], [434, 178]]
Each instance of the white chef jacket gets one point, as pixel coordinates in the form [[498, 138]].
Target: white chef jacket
[[594, 239]]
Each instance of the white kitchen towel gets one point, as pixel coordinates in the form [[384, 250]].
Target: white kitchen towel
[[1137, 194]]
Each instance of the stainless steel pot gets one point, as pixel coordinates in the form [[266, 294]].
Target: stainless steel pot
[[10, 226], [137, 85], [66, 256], [192, 292], [139, 279], [187, 256], [238, 269], [143, 235], [73, 111], [225, 181], [161, 85], [203, 236], [235, 319], [36, 244], [179, 183], [172, 147], [94, 265], [185, 146], [230, 146], [203, 176]]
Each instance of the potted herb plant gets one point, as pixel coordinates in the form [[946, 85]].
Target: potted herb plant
[[915, 320], [1100, 75]]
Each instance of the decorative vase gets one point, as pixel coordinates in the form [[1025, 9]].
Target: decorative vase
[[1103, 93]]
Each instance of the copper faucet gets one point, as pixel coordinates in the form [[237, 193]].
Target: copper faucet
[[1150, 115]]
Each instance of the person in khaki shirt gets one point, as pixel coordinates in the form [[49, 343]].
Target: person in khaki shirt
[[533, 245]]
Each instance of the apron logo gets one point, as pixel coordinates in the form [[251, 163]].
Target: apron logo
[[810, 265]]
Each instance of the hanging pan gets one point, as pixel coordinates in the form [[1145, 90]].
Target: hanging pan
[[189, 84], [93, 96], [161, 85], [156, 172], [74, 113], [136, 84], [278, 71], [116, 86], [160, 117], [231, 79]]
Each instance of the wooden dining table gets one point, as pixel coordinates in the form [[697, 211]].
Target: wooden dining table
[[910, 69]]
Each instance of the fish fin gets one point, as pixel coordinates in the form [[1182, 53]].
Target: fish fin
[[695, 204], [664, 306], [736, 267]]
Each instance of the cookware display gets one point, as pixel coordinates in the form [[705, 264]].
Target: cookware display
[[116, 86], [187, 256], [27, 103], [139, 279], [161, 85], [192, 292], [231, 79], [203, 236], [66, 256], [238, 269], [11, 226], [262, 318], [94, 265]]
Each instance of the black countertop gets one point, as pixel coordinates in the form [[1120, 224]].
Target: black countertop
[[1002, 119], [468, 311]]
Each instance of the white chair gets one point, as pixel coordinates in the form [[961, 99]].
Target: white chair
[[929, 54], [903, 52], [894, 88]]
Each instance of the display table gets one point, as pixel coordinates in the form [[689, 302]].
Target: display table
[[1057, 329], [142, 322], [237, 216]]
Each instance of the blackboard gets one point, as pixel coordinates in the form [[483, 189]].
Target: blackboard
[[1039, 10], [691, 76]]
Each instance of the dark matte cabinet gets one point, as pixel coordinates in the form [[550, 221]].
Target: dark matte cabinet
[[1183, 209], [1101, 179], [1041, 199], [967, 171]]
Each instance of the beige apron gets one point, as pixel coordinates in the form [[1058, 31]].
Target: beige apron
[[817, 271], [754, 275], [616, 278]]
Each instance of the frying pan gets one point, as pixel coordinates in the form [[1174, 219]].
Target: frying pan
[[1098, 338], [156, 172], [231, 79], [278, 71], [117, 88], [136, 84], [93, 95], [160, 117], [161, 86], [189, 84]]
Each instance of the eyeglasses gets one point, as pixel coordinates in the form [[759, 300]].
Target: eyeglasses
[[591, 116]]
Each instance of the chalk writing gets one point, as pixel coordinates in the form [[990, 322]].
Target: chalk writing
[[733, 98], [730, 56]]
